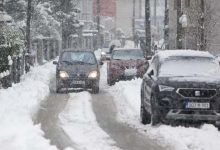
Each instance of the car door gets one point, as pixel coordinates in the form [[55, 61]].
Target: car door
[[149, 82]]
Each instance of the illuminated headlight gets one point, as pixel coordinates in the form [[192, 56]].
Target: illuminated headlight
[[103, 53], [64, 75], [93, 74], [165, 88]]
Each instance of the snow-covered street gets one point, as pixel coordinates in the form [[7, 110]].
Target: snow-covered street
[[89, 121]]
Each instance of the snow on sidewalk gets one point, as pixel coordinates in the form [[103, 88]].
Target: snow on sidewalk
[[18, 105], [79, 122]]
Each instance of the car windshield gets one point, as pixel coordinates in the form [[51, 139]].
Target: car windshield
[[128, 54], [189, 66], [78, 58]]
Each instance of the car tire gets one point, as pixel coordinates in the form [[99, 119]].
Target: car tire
[[144, 115], [155, 119], [110, 82], [57, 87], [95, 89]]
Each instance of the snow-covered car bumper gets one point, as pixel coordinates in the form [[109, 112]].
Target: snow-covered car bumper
[[121, 74], [77, 83], [196, 115]]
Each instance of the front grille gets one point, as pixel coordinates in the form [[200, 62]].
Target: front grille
[[196, 93], [77, 76]]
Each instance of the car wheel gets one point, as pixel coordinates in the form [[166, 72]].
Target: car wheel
[[155, 119], [95, 89], [57, 87], [110, 82], [145, 116]]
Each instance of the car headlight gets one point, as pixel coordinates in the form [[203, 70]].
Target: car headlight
[[64, 75], [103, 53], [93, 74], [165, 88]]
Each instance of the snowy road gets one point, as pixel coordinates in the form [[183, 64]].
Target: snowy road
[[48, 118], [127, 138], [66, 117]]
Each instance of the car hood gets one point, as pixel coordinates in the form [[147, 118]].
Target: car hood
[[129, 63], [191, 82], [81, 69]]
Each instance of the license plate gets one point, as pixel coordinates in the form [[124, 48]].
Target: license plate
[[130, 72], [78, 82], [198, 105]]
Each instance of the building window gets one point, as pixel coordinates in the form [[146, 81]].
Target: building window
[[187, 3]]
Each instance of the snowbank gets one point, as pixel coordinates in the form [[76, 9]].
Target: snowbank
[[127, 99], [18, 105], [79, 121]]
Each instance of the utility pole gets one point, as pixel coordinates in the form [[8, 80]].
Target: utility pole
[[133, 19], [166, 26], [140, 9], [98, 7], [202, 22], [155, 13], [147, 27], [179, 25]]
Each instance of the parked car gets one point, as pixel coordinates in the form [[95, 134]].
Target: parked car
[[181, 85], [125, 64], [105, 53], [77, 69]]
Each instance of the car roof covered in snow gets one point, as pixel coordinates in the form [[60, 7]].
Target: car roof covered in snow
[[77, 50], [165, 54], [126, 49]]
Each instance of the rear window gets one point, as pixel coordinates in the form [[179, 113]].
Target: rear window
[[128, 54], [78, 57], [189, 66]]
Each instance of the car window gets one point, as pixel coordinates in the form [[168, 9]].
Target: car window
[[128, 54], [179, 66], [78, 57]]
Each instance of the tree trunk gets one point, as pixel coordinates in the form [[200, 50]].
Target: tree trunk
[[98, 23], [148, 27], [166, 26], [202, 21], [28, 28]]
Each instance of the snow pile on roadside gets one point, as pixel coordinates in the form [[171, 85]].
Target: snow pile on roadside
[[127, 98], [18, 105], [79, 121], [98, 54]]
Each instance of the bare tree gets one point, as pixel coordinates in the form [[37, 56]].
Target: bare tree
[[148, 27], [201, 24]]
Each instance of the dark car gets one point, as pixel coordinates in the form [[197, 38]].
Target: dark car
[[77, 69], [125, 64], [181, 86]]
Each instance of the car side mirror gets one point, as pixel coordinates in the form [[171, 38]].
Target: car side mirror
[[108, 57], [151, 73], [55, 62], [101, 63], [148, 57]]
